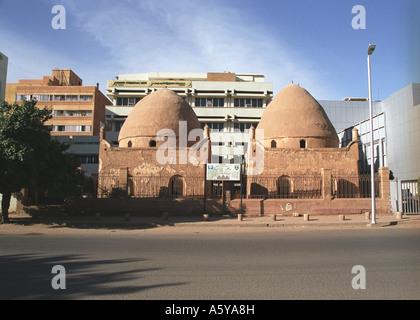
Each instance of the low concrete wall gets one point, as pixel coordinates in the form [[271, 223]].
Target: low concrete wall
[[148, 206], [256, 207], [195, 207]]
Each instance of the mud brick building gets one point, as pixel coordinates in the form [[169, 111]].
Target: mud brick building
[[303, 168]]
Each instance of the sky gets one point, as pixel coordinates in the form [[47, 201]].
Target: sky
[[310, 42]]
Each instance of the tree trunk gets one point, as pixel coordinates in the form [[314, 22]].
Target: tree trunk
[[5, 204]]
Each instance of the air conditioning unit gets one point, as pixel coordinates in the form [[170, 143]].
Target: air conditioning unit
[[209, 104]]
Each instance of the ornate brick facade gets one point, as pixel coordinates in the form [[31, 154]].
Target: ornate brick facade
[[304, 170]]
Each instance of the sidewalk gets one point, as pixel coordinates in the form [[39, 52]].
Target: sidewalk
[[134, 222]]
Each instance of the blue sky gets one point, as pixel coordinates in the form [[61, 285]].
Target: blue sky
[[311, 42]]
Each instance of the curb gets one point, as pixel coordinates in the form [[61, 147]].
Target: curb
[[242, 224], [313, 223]]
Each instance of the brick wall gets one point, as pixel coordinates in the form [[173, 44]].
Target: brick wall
[[221, 76]]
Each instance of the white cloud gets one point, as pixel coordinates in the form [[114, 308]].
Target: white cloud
[[192, 36], [164, 36]]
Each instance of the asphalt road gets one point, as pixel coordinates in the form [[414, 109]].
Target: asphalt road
[[311, 264]]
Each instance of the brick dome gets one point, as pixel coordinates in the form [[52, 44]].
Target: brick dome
[[294, 119], [162, 109]]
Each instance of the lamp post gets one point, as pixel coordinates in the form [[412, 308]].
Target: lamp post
[[372, 158]]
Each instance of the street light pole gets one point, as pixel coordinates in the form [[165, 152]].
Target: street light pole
[[372, 158]]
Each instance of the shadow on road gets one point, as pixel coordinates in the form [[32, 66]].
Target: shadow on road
[[56, 220], [29, 276]]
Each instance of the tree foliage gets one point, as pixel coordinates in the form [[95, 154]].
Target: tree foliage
[[29, 156]]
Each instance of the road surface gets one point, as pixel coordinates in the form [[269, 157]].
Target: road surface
[[310, 264]]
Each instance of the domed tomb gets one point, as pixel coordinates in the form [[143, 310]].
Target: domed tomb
[[162, 109], [294, 119]]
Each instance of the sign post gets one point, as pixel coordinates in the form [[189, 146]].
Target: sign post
[[241, 186], [205, 189], [224, 172]]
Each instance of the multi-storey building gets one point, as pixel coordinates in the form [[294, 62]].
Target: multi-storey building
[[396, 139], [225, 101], [77, 111], [3, 75], [229, 103]]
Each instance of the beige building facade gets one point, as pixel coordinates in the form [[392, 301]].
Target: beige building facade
[[77, 110], [227, 102]]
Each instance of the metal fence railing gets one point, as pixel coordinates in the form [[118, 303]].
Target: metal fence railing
[[266, 187], [285, 187], [410, 195], [354, 186]]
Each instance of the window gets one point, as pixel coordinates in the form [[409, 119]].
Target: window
[[72, 128], [209, 102], [72, 113], [41, 97], [302, 144], [58, 128], [85, 97], [59, 98], [72, 97], [273, 144], [248, 103], [242, 127], [214, 126], [87, 159], [127, 101], [118, 125], [21, 97], [152, 143]]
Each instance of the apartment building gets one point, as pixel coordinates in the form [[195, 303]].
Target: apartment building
[[78, 111]]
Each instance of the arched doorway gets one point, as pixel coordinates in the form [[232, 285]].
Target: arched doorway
[[283, 187], [176, 186]]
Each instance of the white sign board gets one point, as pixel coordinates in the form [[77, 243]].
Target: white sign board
[[223, 171]]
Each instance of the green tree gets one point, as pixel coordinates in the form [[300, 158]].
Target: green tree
[[30, 157]]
